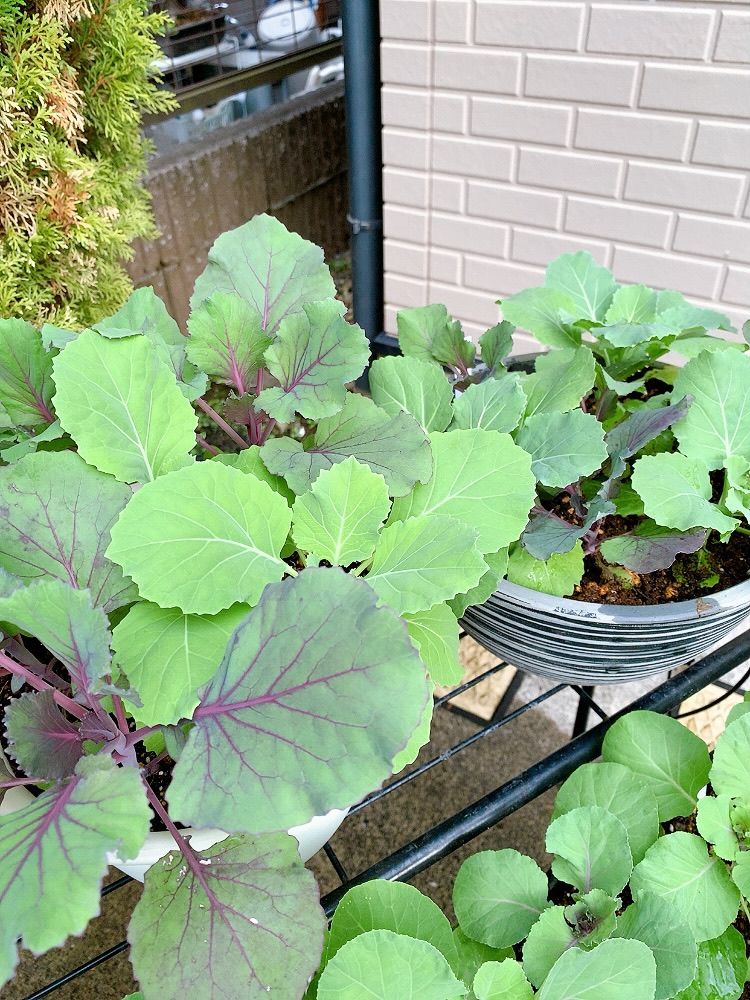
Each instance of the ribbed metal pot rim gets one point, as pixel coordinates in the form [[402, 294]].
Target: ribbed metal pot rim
[[722, 601]]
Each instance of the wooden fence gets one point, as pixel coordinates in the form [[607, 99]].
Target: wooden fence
[[289, 161]]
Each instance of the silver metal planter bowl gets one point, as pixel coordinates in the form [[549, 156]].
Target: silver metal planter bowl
[[572, 641]]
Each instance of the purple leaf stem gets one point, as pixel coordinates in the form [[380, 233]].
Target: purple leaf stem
[[202, 443], [576, 499], [590, 542], [139, 734], [190, 856], [122, 721], [21, 781], [461, 366], [255, 425], [221, 422], [154, 763], [38, 684], [22, 655], [267, 430], [253, 428], [128, 756]]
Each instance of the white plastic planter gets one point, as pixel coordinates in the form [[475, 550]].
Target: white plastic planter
[[311, 836]]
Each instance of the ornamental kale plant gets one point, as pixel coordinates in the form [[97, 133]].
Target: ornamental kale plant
[[641, 911], [266, 621], [611, 428]]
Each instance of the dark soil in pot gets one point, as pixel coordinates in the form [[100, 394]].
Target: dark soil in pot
[[719, 567]]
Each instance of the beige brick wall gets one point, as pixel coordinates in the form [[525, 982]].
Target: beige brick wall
[[517, 130]]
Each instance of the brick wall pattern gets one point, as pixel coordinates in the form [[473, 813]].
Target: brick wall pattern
[[517, 130]]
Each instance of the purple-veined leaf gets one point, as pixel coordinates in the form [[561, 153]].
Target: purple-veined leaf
[[42, 741], [651, 547], [274, 270], [635, 432], [203, 538], [240, 919], [25, 374], [422, 328], [394, 446], [226, 340], [318, 691], [450, 347], [64, 620], [547, 534], [315, 353], [495, 345], [102, 729], [53, 855], [57, 513], [239, 409]]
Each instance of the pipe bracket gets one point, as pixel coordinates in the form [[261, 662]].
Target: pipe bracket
[[364, 225]]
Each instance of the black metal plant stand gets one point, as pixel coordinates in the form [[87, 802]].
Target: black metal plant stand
[[468, 823]]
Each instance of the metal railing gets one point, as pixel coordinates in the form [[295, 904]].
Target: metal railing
[[468, 823], [268, 51]]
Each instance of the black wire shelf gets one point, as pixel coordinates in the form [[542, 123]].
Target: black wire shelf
[[430, 847]]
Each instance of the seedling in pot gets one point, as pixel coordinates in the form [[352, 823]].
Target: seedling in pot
[[266, 621], [637, 462]]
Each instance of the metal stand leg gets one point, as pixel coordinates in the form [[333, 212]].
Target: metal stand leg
[[582, 715]]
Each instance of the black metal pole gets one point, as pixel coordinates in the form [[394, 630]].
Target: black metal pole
[[361, 24], [582, 715], [467, 824]]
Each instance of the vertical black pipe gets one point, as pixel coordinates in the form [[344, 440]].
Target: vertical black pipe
[[361, 24]]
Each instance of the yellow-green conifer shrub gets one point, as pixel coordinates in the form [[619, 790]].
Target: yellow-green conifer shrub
[[75, 81]]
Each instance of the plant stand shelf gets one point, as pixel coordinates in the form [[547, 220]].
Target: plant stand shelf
[[468, 823]]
